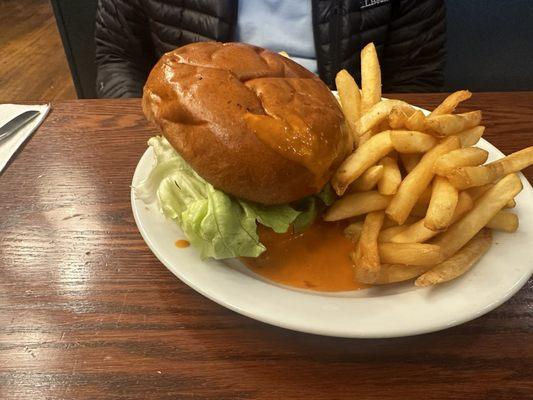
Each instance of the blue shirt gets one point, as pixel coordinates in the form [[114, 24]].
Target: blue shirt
[[279, 25]]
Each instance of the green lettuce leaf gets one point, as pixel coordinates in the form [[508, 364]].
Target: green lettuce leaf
[[218, 225]]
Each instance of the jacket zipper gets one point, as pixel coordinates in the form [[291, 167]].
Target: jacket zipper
[[335, 35]]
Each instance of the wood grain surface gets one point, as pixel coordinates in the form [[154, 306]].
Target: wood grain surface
[[33, 65], [87, 312]]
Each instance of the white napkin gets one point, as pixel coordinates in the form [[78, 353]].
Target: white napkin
[[9, 146]]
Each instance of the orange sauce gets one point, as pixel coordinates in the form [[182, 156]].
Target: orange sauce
[[181, 243], [317, 259]]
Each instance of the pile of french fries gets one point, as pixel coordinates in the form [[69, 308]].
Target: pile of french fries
[[420, 200]]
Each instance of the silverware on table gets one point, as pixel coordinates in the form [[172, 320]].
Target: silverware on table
[[16, 123]]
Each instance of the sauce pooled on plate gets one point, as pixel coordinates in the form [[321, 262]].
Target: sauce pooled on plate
[[316, 259]]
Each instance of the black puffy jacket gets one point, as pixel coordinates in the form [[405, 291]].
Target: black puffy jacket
[[409, 36]]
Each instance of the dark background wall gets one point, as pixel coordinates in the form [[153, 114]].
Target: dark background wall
[[490, 44]]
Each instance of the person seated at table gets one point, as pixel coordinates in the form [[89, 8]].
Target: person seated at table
[[323, 36]]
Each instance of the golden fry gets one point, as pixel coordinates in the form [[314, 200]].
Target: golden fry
[[370, 77], [485, 208], [353, 231], [389, 182], [364, 138], [477, 191], [410, 160], [368, 180], [366, 257], [466, 177], [410, 253], [365, 156], [425, 197], [442, 205], [350, 98], [418, 233], [377, 114], [465, 157], [392, 273], [398, 117], [471, 136], [459, 263], [504, 221], [452, 124], [416, 122], [356, 204], [412, 141], [417, 180], [387, 234], [451, 102]]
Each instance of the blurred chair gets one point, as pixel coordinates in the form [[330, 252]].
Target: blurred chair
[[490, 44], [75, 21]]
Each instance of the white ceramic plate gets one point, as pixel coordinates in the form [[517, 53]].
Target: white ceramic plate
[[388, 311]]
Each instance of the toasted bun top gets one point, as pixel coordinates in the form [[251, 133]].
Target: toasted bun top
[[251, 122]]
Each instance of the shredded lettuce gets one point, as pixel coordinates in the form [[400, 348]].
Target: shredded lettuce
[[218, 225]]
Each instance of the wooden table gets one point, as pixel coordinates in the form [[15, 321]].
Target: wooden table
[[88, 312]]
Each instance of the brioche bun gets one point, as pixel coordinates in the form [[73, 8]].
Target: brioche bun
[[251, 122]]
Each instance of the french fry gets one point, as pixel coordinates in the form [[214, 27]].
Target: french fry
[[392, 273], [471, 136], [459, 263], [418, 233], [417, 180], [391, 178], [350, 98], [364, 137], [504, 221], [353, 231], [448, 196], [421, 206], [425, 197], [356, 204], [368, 180], [416, 122], [370, 77], [465, 157], [284, 54], [444, 198], [377, 114], [383, 126], [412, 141], [389, 223], [410, 253], [466, 177], [477, 191], [419, 210], [410, 160], [451, 102], [365, 156], [387, 234], [366, 256], [451, 124], [398, 117], [485, 208]]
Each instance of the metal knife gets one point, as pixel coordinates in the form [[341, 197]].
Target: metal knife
[[16, 123]]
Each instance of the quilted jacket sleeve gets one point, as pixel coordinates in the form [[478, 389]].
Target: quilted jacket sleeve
[[124, 52], [414, 55]]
